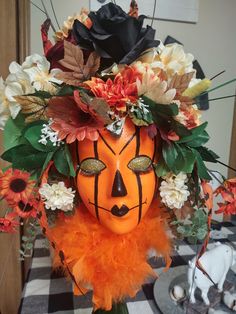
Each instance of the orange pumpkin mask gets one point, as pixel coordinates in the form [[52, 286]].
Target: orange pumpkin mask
[[116, 179]]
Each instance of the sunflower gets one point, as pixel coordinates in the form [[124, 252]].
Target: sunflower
[[15, 186], [25, 210]]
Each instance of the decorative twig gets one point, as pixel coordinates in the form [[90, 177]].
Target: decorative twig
[[38, 7], [46, 12], [219, 86], [154, 10], [217, 75], [54, 13], [227, 166]]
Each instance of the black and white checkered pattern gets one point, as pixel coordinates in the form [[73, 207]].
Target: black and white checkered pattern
[[49, 292]]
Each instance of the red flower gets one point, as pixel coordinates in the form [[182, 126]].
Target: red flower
[[8, 223], [228, 193], [15, 185], [72, 120], [118, 92]]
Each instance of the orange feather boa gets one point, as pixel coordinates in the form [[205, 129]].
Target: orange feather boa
[[114, 266]]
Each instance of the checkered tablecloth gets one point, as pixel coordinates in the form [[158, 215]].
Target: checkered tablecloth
[[48, 292]]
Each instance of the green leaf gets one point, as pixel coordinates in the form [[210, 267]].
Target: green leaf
[[207, 154], [41, 94], [33, 135], [185, 160], [199, 140], [195, 132], [170, 154], [61, 163], [24, 157], [12, 135], [201, 168], [46, 162], [157, 109], [70, 161], [161, 168], [180, 129], [66, 90], [119, 308]]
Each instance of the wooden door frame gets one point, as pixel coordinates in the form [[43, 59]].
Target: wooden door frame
[[14, 46]]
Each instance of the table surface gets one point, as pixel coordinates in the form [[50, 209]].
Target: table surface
[[48, 292]]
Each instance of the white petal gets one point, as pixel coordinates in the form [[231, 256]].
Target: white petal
[[13, 89], [14, 109], [14, 67]]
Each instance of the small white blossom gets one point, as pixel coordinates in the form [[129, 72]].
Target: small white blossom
[[139, 106], [173, 190], [48, 134], [57, 196]]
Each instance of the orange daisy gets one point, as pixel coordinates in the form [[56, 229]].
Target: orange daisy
[[15, 186], [9, 223], [25, 210]]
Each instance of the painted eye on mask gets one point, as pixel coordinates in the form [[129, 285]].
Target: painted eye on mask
[[91, 166], [140, 164]]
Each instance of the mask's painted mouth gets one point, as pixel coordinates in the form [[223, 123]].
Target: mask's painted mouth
[[119, 211]]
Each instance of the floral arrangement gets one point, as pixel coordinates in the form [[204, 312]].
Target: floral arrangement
[[93, 78], [85, 83]]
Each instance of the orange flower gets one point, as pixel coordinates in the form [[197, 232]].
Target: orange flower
[[8, 223], [228, 193], [71, 121], [25, 210], [16, 186], [118, 92]]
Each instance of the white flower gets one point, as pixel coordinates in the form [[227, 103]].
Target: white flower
[[173, 190], [48, 134], [57, 196], [37, 67], [17, 83], [173, 59], [151, 86]]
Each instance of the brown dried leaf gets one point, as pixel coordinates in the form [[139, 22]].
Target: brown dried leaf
[[181, 82], [32, 106], [73, 57], [92, 65], [70, 78], [98, 106], [74, 61]]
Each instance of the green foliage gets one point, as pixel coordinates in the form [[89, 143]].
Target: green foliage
[[24, 157], [63, 162], [26, 153], [12, 135], [33, 134], [32, 231], [195, 228], [161, 168]]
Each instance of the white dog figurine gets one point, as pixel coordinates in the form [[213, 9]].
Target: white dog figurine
[[216, 262]]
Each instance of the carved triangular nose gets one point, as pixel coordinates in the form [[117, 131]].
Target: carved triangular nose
[[118, 187]]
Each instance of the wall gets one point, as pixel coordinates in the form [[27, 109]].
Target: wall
[[213, 45]]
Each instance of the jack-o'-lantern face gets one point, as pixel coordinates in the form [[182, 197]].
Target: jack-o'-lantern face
[[116, 179]]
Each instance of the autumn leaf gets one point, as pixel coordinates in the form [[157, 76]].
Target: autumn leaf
[[97, 106], [74, 61], [181, 82], [32, 106]]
